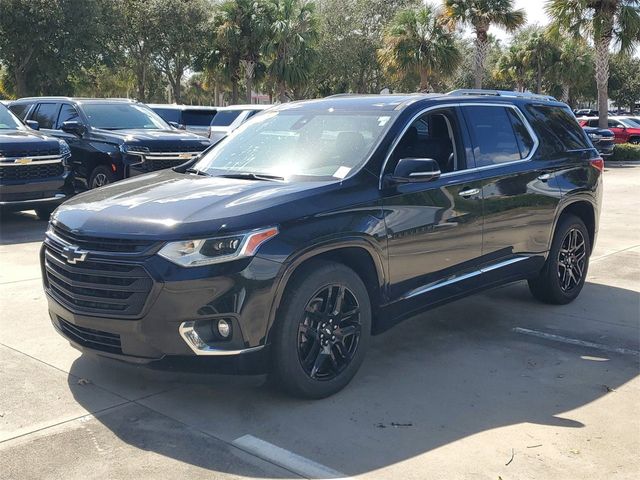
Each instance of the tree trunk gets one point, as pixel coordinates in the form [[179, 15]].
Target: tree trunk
[[602, 74], [539, 80], [141, 78], [234, 91], [566, 91], [177, 91], [425, 85], [482, 48], [248, 80], [21, 83], [282, 92]]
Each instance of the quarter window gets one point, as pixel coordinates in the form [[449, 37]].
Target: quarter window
[[45, 114], [557, 129], [498, 136]]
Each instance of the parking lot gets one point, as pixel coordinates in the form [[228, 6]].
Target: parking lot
[[493, 386]]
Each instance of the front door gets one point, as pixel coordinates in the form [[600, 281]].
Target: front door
[[434, 229]]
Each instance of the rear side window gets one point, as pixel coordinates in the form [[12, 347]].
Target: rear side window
[[224, 118], [20, 110], [498, 136], [198, 118], [557, 130], [46, 114]]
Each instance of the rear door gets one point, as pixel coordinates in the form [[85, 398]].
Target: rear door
[[519, 187]]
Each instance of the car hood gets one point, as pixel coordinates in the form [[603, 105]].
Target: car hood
[[168, 205], [26, 142], [145, 136]]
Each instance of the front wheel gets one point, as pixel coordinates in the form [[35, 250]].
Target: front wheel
[[323, 331], [565, 271], [101, 176]]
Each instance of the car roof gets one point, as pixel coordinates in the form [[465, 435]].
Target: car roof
[[173, 106], [248, 106], [74, 99]]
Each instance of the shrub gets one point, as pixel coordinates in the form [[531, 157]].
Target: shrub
[[624, 152]]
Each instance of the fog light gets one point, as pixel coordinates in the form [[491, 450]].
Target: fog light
[[224, 328]]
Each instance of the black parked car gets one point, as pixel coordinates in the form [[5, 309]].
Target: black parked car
[[110, 139], [602, 138], [311, 228], [34, 168]]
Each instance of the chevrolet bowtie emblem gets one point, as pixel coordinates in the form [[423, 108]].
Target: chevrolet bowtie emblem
[[74, 254], [24, 160]]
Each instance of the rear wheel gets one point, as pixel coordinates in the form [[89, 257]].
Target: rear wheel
[[563, 276], [100, 176], [635, 140], [323, 331]]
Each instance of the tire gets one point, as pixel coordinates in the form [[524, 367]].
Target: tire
[[44, 213], [634, 140], [100, 176], [316, 352], [561, 279]]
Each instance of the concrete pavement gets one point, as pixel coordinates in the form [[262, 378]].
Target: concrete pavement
[[464, 391]]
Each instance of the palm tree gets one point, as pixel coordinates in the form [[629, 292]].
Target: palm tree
[[512, 67], [480, 15], [418, 42], [540, 54], [605, 21], [575, 62], [293, 33]]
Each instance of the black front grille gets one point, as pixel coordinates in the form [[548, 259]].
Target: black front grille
[[32, 171], [32, 153], [97, 287], [153, 165], [177, 147], [101, 244], [88, 337]]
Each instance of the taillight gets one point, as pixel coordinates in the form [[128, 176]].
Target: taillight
[[598, 164]]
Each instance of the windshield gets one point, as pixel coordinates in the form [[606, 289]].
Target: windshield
[[293, 143], [224, 118], [120, 116], [7, 120]]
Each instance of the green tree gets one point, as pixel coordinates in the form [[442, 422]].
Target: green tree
[[574, 69], [625, 81], [540, 54], [291, 46], [43, 41], [480, 15], [418, 42], [511, 67], [181, 27], [605, 22]]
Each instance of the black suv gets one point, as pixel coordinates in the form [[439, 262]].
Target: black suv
[[320, 223], [34, 168], [110, 139]]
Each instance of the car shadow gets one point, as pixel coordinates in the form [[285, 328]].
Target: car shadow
[[21, 227], [451, 373]]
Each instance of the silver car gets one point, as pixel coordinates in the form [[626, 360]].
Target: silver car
[[229, 118]]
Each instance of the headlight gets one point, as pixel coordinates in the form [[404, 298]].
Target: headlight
[[134, 149], [193, 253], [64, 148]]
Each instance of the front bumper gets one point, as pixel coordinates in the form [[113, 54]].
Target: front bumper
[[179, 298], [37, 193]]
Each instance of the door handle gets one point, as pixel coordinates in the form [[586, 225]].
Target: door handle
[[544, 177], [469, 192]]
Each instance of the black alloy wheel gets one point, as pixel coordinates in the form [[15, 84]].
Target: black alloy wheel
[[571, 260], [329, 332]]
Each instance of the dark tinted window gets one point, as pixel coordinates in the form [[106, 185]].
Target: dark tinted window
[[68, 113], [46, 114], [224, 118], [523, 137], [168, 114], [557, 129], [20, 110], [494, 140], [197, 118], [121, 116], [615, 124]]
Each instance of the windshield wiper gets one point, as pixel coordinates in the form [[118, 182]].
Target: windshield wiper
[[252, 176], [197, 172]]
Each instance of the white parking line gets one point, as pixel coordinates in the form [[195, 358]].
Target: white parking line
[[286, 459], [575, 341]]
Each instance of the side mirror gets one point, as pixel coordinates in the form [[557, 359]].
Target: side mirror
[[414, 170], [32, 124], [178, 126], [73, 127]]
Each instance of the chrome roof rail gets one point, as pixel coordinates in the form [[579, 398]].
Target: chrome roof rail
[[501, 93]]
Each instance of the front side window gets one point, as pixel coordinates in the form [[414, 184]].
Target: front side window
[[8, 121], [46, 114], [123, 116], [434, 135], [68, 113], [305, 145], [496, 138]]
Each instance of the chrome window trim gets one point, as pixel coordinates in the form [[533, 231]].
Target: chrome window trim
[[534, 137]]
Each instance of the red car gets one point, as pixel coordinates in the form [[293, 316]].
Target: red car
[[625, 131]]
